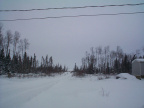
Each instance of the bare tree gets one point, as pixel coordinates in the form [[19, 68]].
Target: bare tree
[[51, 62], [84, 66], [138, 52], [106, 51], [87, 59], [1, 36], [26, 44], [42, 64], [96, 56], [112, 58], [119, 53], [99, 56], [8, 39], [16, 40], [92, 57], [46, 61], [21, 46]]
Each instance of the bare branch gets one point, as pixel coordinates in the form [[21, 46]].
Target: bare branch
[[26, 44]]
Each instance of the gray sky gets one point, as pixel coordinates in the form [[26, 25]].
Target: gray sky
[[67, 39]]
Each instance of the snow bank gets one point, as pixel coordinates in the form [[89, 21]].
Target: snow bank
[[126, 76], [65, 91]]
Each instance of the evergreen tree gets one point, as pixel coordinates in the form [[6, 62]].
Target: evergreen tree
[[20, 64], [30, 64], [34, 63], [25, 63], [51, 61], [125, 64], [7, 63], [90, 69], [14, 63], [75, 68], [2, 59]]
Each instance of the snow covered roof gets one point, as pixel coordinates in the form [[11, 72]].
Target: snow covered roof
[[139, 60]]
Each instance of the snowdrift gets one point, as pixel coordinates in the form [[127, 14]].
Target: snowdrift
[[126, 76]]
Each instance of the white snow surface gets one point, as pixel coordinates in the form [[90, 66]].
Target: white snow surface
[[65, 91], [126, 76]]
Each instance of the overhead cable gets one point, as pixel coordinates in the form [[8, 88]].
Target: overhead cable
[[93, 15], [71, 7]]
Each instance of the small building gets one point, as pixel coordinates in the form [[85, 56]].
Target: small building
[[138, 67]]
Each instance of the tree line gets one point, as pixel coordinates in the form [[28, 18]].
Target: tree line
[[106, 61], [14, 57]]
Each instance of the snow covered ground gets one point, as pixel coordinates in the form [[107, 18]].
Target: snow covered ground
[[65, 91]]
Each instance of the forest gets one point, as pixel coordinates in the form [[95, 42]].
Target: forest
[[106, 61], [14, 57]]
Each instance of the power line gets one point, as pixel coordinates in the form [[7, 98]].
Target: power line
[[73, 7], [94, 15]]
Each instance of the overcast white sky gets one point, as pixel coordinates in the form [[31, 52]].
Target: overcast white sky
[[67, 39]]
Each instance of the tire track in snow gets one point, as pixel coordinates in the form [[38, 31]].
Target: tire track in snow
[[25, 95]]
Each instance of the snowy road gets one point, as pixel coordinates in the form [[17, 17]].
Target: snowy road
[[65, 91]]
